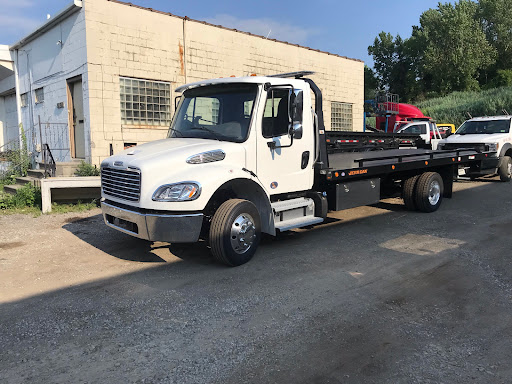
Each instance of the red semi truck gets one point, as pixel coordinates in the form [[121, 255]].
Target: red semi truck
[[398, 115]]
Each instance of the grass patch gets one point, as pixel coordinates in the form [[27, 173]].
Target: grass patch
[[27, 200], [454, 108], [75, 207]]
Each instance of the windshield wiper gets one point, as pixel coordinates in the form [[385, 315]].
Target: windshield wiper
[[175, 130], [202, 128]]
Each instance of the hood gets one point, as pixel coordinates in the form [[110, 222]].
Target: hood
[[174, 152], [476, 138]]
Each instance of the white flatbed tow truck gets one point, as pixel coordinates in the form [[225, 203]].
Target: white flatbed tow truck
[[251, 155]]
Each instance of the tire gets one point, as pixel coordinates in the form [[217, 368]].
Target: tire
[[235, 232], [429, 192], [505, 169], [409, 191]]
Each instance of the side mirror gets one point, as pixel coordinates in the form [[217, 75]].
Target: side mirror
[[296, 106], [296, 131]]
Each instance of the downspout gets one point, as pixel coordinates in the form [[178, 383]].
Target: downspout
[[185, 48], [18, 96]]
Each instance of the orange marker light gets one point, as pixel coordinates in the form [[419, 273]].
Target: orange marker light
[[426, 162], [336, 174], [393, 167], [253, 74]]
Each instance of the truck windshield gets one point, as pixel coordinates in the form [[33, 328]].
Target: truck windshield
[[218, 112], [485, 126]]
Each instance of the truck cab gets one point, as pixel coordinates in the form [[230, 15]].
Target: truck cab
[[426, 129], [492, 133], [251, 138]]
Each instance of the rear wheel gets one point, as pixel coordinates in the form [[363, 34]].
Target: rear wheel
[[505, 169], [409, 191], [429, 192], [235, 232]]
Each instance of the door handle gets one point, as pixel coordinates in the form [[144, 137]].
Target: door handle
[[305, 160]]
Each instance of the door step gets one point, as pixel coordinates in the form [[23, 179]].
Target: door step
[[298, 223], [294, 213], [286, 205]]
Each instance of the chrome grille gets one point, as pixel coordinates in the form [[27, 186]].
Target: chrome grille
[[121, 183]]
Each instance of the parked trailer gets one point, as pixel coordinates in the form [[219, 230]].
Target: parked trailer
[[247, 156]]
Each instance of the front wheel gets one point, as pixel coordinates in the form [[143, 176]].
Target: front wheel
[[505, 169], [235, 232]]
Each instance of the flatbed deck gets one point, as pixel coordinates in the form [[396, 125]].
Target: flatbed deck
[[350, 165]]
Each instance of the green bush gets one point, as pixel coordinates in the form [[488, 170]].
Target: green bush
[[26, 196], [17, 158], [85, 169]]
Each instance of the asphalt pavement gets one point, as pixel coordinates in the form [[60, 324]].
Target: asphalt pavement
[[376, 295]]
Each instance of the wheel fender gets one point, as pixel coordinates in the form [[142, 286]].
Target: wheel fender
[[247, 189], [504, 149]]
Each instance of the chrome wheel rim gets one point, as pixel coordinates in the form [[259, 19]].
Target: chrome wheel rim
[[434, 193], [509, 168], [243, 233]]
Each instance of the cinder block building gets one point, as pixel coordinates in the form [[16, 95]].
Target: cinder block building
[[101, 74]]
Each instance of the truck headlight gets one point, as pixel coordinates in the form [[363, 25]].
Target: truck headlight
[[185, 191], [493, 147], [440, 145]]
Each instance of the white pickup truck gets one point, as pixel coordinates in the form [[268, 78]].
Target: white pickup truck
[[251, 155], [426, 129], [485, 134]]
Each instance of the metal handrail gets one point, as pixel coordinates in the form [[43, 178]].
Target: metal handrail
[[50, 167]]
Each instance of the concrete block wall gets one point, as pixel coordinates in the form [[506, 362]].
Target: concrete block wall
[[8, 119], [124, 40]]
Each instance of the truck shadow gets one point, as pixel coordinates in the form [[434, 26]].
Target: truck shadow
[[113, 242], [125, 247]]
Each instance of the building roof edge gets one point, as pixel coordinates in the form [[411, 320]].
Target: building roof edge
[[71, 8], [231, 29]]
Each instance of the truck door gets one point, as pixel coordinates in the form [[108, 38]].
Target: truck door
[[418, 129], [288, 168]]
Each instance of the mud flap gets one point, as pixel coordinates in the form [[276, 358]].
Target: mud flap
[[448, 173]]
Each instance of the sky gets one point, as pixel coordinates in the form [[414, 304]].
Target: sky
[[342, 27]]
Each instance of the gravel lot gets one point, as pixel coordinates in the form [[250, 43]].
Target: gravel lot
[[377, 295]]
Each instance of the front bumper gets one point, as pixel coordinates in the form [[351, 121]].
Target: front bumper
[[172, 228]]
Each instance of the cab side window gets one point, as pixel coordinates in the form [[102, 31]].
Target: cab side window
[[417, 129], [276, 116]]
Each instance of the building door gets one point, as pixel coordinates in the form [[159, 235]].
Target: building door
[[76, 118]]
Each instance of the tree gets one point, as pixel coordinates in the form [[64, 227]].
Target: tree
[[371, 83], [395, 62], [496, 16], [456, 47], [384, 58]]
